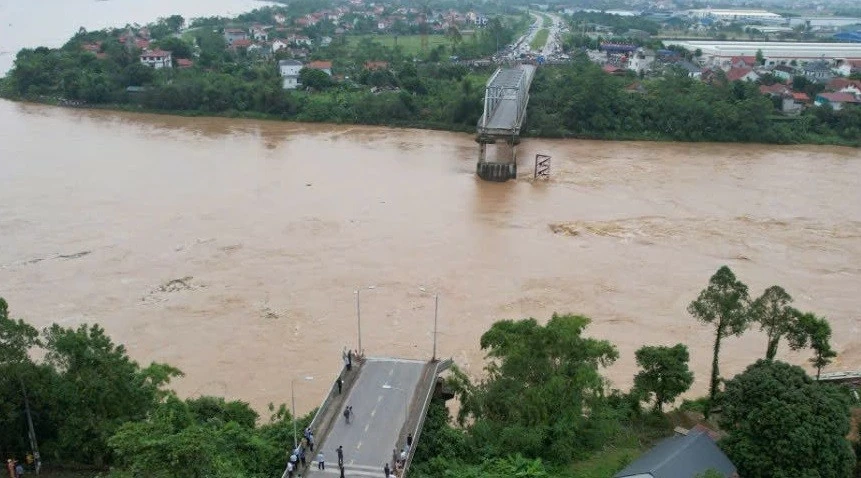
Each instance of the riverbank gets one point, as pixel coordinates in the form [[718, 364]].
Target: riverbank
[[809, 139]]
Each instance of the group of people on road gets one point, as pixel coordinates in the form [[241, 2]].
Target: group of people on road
[[399, 460], [298, 457]]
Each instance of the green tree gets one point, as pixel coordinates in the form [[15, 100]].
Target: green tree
[[815, 332], [313, 78], [665, 373], [543, 395], [100, 388], [775, 317], [178, 47], [724, 305], [760, 59], [783, 424]]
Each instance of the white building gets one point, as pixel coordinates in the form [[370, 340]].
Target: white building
[[157, 59], [289, 70], [278, 45], [720, 53], [731, 15]]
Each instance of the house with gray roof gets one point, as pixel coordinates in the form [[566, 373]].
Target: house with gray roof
[[681, 456]]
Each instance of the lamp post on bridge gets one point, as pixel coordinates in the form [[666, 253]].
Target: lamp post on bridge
[[358, 293], [293, 402]]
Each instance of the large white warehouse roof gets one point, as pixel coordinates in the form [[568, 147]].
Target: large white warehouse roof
[[772, 49]]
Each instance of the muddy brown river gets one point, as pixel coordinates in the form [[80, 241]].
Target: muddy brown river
[[231, 248]]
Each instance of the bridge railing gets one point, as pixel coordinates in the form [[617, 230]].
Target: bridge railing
[[440, 367]]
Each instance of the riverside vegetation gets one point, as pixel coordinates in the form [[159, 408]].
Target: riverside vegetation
[[96, 409], [427, 90]]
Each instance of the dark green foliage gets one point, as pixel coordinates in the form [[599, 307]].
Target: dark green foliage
[[665, 373], [815, 332], [93, 406], [775, 317], [543, 395], [783, 424], [723, 304]]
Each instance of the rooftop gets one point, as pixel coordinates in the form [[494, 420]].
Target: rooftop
[[680, 456]]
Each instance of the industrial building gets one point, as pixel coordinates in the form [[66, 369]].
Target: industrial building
[[726, 15], [720, 53]]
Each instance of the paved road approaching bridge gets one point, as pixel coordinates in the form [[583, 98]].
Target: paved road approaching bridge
[[380, 399]]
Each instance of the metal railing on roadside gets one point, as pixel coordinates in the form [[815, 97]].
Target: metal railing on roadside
[[440, 366]]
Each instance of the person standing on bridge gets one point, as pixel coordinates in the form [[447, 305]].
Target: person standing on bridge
[[340, 384], [340, 451], [409, 440], [321, 462], [387, 470]]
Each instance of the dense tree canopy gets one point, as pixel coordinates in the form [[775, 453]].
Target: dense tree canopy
[[543, 394], [782, 424], [94, 406], [775, 317], [665, 373]]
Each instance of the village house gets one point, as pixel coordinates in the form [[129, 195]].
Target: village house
[[844, 85], [156, 59], [184, 63], [741, 74], [322, 65], [278, 45], [692, 70], [837, 101], [240, 43], [742, 62], [289, 70], [687, 454], [784, 72], [259, 34], [233, 34], [819, 71]]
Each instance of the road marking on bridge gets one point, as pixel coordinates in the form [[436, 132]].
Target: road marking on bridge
[[379, 399], [352, 471], [373, 412], [368, 425], [359, 445]]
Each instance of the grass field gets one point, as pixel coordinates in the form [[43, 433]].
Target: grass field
[[540, 39], [411, 44]]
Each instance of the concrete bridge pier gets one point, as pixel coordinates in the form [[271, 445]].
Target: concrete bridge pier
[[499, 170]]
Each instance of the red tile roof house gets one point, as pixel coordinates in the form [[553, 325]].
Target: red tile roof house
[[776, 89], [741, 74], [743, 62], [156, 59], [240, 44], [612, 70], [844, 85], [837, 100], [184, 63], [322, 65]]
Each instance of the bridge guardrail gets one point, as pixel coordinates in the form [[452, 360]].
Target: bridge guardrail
[[323, 409], [440, 366]]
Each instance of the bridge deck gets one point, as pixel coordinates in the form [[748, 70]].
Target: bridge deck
[[380, 399], [510, 87]]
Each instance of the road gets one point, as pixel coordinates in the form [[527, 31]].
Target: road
[[522, 46], [380, 400]]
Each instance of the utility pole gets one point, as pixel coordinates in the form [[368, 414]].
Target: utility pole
[[435, 313]]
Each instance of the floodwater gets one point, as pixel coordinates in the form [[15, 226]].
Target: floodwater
[[231, 248], [33, 23]]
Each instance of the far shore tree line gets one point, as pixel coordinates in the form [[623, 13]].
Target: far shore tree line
[[541, 409], [425, 89]]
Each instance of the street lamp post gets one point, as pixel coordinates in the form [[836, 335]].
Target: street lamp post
[[358, 292], [293, 400]]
